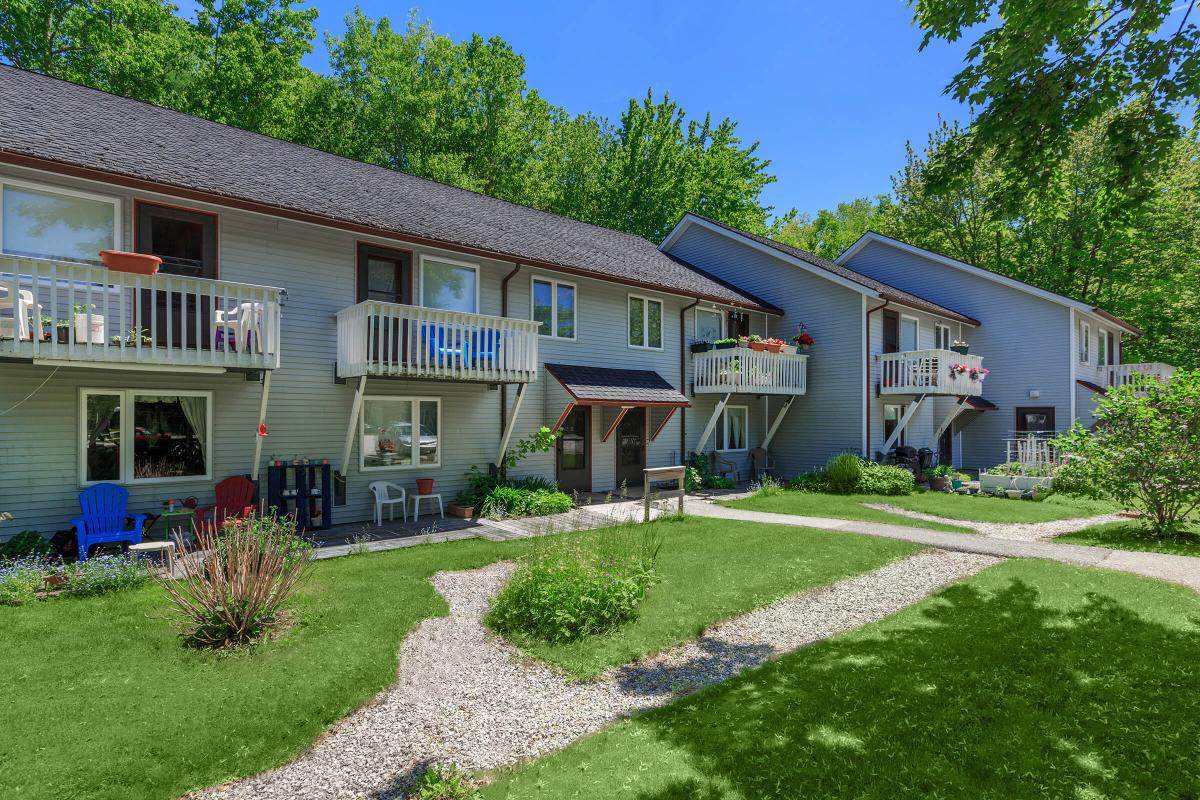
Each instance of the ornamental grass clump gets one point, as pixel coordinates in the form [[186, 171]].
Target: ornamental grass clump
[[843, 473], [233, 589], [571, 587]]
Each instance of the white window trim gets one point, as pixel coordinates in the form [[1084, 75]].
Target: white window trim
[[917, 320], [554, 284], [1085, 344], [128, 398], [646, 301], [745, 429], [901, 440], [416, 417], [696, 321], [937, 335], [451, 262], [50, 188], [1102, 348]]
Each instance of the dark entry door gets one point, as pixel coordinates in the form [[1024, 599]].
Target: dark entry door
[[891, 331], [573, 457], [631, 448], [186, 241], [1035, 419], [946, 446], [385, 275]]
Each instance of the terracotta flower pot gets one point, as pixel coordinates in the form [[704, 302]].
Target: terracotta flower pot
[[462, 512], [937, 483], [135, 263], [760, 346], [774, 348], [424, 485]]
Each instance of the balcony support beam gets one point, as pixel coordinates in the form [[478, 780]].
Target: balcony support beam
[[355, 410], [949, 418], [511, 423], [904, 420], [663, 424], [712, 422], [778, 421], [260, 431]]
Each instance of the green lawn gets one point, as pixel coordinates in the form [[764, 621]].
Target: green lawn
[[1032, 679], [1132, 535], [103, 701], [713, 569]]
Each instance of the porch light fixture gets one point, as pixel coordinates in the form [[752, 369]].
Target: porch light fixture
[[1034, 394]]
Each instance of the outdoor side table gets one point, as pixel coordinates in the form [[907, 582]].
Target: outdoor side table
[[417, 498], [165, 550], [178, 522]]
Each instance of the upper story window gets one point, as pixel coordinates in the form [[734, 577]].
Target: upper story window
[[1085, 342], [645, 322], [57, 223], [942, 338], [709, 324], [553, 305], [1103, 356], [450, 285]]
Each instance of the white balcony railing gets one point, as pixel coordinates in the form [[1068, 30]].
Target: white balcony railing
[[1122, 374], [70, 312], [930, 372], [739, 369], [377, 338]]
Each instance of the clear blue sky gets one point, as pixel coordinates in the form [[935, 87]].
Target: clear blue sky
[[831, 90]]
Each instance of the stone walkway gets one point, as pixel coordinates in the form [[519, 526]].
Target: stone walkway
[[1183, 570], [466, 696], [1019, 531]]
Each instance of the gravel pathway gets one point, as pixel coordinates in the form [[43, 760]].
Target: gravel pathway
[[466, 696], [1017, 531]]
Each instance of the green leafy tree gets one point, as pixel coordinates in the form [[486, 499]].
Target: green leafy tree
[[1041, 71], [1144, 450], [831, 231]]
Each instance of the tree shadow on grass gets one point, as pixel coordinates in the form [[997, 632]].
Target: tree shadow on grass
[[718, 661], [987, 695]]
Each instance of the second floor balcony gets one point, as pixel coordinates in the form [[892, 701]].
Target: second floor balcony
[[67, 313], [742, 370], [1138, 374], [930, 372], [377, 338]]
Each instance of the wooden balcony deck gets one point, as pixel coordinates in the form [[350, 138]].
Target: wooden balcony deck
[[741, 370], [930, 372]]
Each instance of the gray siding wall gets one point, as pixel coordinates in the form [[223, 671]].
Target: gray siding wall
[[1025, 341], [827, 420], [308, 412]]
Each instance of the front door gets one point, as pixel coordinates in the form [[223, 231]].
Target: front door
[[631, 448], [946, 446], [385, 275], [573, 462], [186, 241], [891, 331]]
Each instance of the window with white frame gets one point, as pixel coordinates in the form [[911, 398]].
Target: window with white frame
[[1102, 354], [57, 223], [891, 420], [1085, 342], [735, 428], [144, 435], [449, 285], [710, 325], [553, 304], [909, 334], [398, 432], [645, 322], [942, 338]]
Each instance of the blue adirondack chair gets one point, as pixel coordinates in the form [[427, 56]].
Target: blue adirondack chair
[[103, 519]]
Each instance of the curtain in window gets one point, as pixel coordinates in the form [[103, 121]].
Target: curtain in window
[[196, 411]]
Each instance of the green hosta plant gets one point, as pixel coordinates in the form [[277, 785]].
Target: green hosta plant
[[1144, 451]]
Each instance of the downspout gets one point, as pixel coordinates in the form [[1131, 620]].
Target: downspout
[[867, 359], [504, 313], [683, 378]]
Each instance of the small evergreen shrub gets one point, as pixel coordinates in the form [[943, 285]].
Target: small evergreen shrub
[[885, 479], [809, 482], [571, 587], [843, 473]]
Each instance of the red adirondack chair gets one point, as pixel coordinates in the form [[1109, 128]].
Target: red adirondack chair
[[235, 498]]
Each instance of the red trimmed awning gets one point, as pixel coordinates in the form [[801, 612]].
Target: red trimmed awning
[[602, 386]]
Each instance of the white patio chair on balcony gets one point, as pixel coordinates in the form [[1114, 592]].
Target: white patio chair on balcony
[[240, 326], [27, 315]]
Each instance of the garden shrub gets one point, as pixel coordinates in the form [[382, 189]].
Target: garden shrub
[[885, 479], [235, 593], [516, 501], [570, 587], [25, 543], [703, 477], [808, 482], [103, 574], [843, 473]]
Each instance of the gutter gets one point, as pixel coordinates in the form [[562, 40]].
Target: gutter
[[683, 379], [867, 376]]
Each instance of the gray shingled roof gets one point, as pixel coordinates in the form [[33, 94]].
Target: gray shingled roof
[[885, 291], [605, 385], [53, 120]]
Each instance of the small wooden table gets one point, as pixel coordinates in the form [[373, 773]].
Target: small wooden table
[[165, 550]]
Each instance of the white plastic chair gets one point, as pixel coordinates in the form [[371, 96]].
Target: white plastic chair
[[22, 309], [384, 497], [244, 323]]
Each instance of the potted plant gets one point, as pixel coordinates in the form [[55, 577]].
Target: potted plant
[[802, 339], [939, 477], [131, 338], [701, 347], [743, 341], [960, 347], [133, 263], [774, 345], [89, 327], [461, 511], [731, 373], [756, 342], [725, 344], [424, 485]]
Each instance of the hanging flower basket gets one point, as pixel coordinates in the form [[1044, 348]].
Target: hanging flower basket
[[133, 263]]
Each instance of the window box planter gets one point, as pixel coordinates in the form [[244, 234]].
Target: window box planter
[[701, 347], [1022, 483], [724, 345], [759, 346], [774, 348], [961, 349], [462, 512], [133, 263]]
